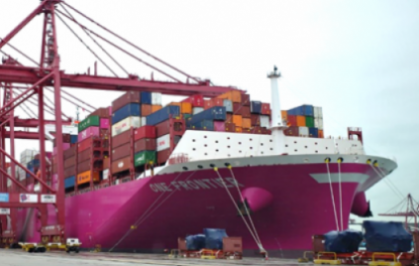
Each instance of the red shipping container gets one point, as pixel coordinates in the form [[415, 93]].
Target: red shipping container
[[121, 165], [255, 119], [207, 104], [70, 162], [85, 155], [230, 127], [84, 145], [70, 172], [164, 127], [146, 109], [292, 120], [66, 139], [237, 107], [163, 156], [121, 152], [229, 118], [101, 112], [245, 112], [217, 102], [83, 167], [121, 139], [70, 152], [266, 109], [245, 99], [145, 145], [148, 132], [196, 100], [126, 98], [106, 163], [292, 131]]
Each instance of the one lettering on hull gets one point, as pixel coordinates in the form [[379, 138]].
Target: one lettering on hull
[[195, 184]]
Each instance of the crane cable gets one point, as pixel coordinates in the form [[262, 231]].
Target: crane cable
[[327, 160], [241, 214], [244, 204], [340, 160]]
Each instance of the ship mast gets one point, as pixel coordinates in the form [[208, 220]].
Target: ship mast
[[277, 126]]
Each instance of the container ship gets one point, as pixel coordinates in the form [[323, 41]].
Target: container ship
[[138, 174]]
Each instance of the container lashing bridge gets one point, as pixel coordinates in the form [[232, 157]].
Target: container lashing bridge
[[26, 86]]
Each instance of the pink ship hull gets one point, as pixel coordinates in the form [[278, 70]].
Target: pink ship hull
[[300, 208]]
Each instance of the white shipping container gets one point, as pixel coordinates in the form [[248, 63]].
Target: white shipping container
[[197, 110], [264, 121], [228, 105], [303, 131], [105, 174], [318, 112], [318, 122], [163, 142], [156, 98], [125, 124], [143, 121]]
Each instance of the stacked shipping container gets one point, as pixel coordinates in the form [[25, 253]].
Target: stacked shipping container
[[305, 121]]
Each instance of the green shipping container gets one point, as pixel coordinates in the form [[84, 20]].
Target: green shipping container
[[143, 157], [309, 121], [186, 116], [91, 121]]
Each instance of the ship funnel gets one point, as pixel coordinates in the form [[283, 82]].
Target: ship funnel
[[275, 105], [277, 125]]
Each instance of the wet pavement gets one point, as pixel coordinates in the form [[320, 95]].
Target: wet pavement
[[16, 257]]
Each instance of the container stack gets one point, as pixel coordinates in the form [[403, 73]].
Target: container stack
[[304, 121], [83, 160], [169, 128]]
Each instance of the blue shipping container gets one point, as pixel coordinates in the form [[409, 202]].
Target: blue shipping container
[[131, 109], [214, 113], [145, 97], [73, 139], [313, 132], [69, 182], [255, 107], [163, 115], [305, 110], [203, 125]]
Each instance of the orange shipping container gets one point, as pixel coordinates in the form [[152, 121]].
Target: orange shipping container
[[145, 109], [321, 134], [85, 177], [238, 120], [246, 123], [234, 96], [301, 121], [155, 108], [239, 129], [186, 108], [284, 115]]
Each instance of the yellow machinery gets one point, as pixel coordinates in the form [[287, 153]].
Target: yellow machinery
[[333, 261], [383, 262]]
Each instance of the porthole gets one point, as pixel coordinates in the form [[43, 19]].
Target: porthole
[[305, 147], [295, 141], [250, 139], [200, 166], [212, 165], [193, 149], [286, 146], [228, 146], [193, 140], [216, 150], [205, 145], [261, 144], [185, 168], [295, 150], [240, 143], [205, 137], [317, 151], [205, 154], [216, 141]]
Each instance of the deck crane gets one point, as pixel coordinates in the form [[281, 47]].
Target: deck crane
[[21, 83]]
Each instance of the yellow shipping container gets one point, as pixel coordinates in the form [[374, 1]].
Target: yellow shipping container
[[238, 120], [301, 121], [155, 108], [246, 123], [86, 176], [186, 108]]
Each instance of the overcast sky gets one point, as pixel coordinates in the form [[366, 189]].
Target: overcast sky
[[359, 60]]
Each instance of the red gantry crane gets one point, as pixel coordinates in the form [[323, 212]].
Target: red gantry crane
[[27, 85]]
